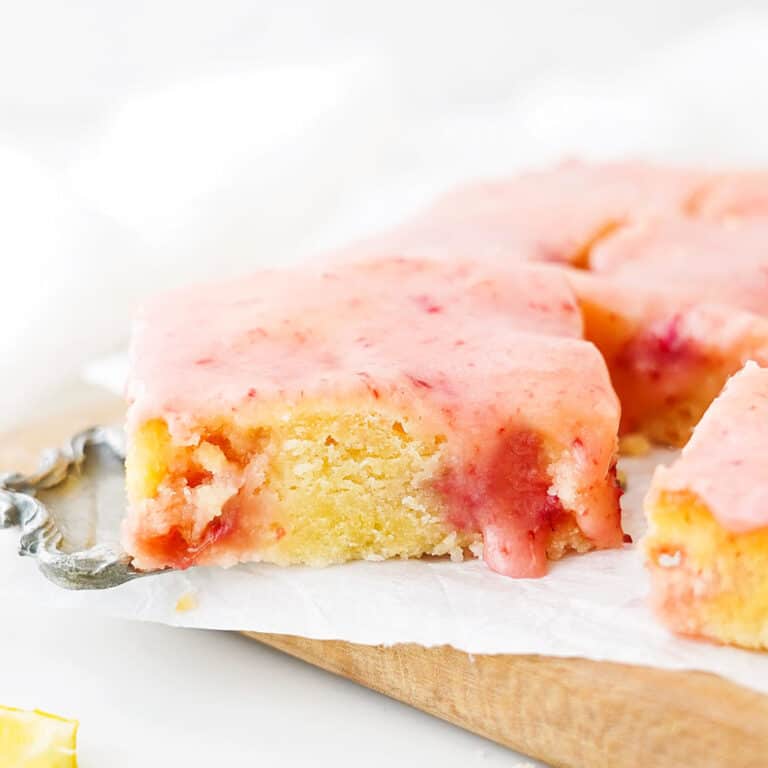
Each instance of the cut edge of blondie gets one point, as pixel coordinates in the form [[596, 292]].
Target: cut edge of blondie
[[665, 378], [312, 486], [706, 581]]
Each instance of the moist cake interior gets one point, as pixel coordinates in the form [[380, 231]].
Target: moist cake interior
[[320, 486]]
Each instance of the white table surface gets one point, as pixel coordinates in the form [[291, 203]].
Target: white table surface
[[150, 695]]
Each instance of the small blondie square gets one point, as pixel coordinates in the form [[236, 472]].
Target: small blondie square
[[707, 545], [385, 409]]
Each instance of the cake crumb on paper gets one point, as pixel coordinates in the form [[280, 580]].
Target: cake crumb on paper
[[187, 602]]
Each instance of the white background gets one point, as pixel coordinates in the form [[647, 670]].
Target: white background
[[145, 143]]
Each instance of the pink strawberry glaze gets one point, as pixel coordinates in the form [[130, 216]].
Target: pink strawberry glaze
[[551, 216], [691, 261], [509, 476], [287, 335], [737, 194], [725, 463], [460, 350]]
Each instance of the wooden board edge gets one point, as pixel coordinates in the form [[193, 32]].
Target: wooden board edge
[[570, 713]]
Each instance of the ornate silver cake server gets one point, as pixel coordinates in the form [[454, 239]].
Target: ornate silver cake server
[[69, 511]]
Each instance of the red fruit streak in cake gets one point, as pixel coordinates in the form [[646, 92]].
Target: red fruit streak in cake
[[173, 549], [658, 349], [367, 379], [669, 343], [505, 496], [428, 305], [418, 382]]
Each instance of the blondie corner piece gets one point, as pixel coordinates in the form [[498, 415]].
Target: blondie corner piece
[[386, 409], [707, 545]]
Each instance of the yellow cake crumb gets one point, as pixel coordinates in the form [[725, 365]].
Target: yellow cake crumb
[[187, 602]]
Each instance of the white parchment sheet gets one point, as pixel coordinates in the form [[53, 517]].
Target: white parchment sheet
[[592, 606]]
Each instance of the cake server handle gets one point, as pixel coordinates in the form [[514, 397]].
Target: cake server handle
[[69, 511]]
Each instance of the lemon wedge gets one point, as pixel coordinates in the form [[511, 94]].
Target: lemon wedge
[[36, 740]]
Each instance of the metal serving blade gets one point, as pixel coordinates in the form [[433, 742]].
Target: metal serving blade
[[69, 511]]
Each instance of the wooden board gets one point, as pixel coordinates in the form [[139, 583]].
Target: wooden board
[[572, 713]]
